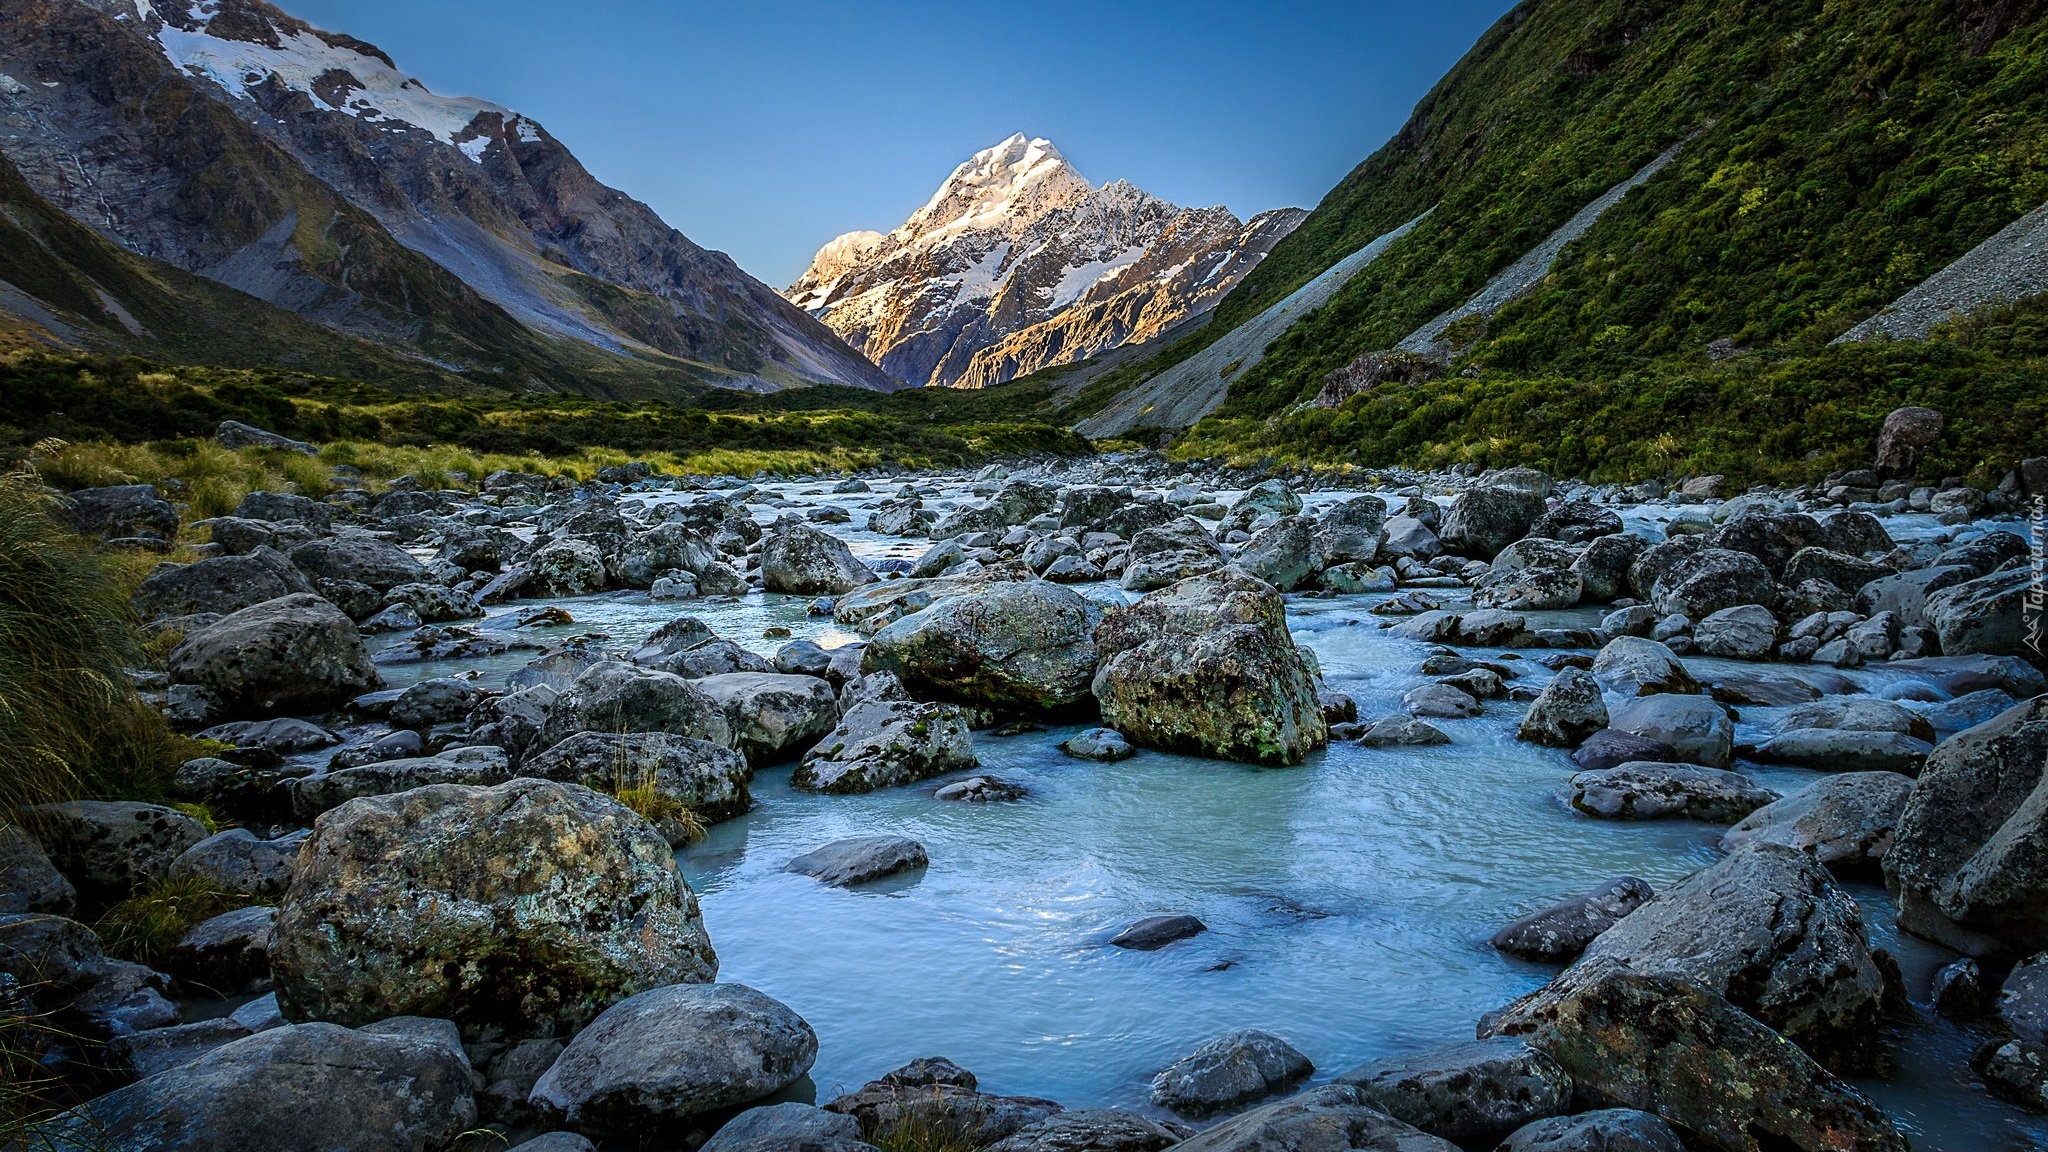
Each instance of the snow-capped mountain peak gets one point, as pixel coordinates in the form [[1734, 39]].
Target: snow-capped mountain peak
[[1018, 262]]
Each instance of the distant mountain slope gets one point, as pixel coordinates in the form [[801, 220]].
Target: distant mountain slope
[[1834, 156], [301, 166], [64, 286], [1018, 263]]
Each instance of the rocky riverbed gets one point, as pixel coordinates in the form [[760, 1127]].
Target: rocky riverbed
[[1164, 799]]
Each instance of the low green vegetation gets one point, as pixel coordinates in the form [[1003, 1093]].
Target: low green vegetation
[[128, 420], [148, 924]]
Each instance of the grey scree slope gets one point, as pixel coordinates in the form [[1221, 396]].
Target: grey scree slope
[[2012, 265]]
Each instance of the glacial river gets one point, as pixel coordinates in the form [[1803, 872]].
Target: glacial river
[[1349, 900]]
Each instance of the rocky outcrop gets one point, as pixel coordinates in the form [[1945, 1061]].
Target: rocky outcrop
[[885, 739], [799, 559], [1207, 667], [523, 909]]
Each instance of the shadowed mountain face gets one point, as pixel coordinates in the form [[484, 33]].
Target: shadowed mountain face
[[302, 167], [1018, 263]]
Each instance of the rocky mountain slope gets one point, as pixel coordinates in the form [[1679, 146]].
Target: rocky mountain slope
[[1828, 159], [304, 168], [1018, 263]]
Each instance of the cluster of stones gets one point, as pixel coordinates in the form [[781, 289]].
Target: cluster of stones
[[457, 924]]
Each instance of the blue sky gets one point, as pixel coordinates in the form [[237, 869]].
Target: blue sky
[[766, 128]]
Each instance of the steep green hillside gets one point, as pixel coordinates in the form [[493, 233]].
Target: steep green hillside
[[1836, 154]]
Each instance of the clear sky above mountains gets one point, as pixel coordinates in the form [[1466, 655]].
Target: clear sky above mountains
[[766, 128]]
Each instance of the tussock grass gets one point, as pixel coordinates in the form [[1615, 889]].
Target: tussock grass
[[29, 1092], [923, 1131], [148, 924], [637, 789]]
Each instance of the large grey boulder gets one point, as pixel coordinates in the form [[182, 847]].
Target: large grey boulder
[[362, 558], [661, 550], [220, 584], [292, 653], [1161, 555], [885, 739], [566, 568], [708, 779], [1350, 532], [1708, 580], [665, 1055], [1655, 791], [1231, 1070], [1282, 553], [1535, 588], [1666, 1045], [773, 716], [1207, 667], [228, 951], [109, 848], [1845, 750], [1859, 714], [1639, 666], [859, 860], [304, 1088], [1576, 522], [799, 559], [1562, 931], [1410, 537], [1603, 567], [1768, 929], [1986, 616], [1905, 594], [1332, 1118], [1483, 521], [1471, 1093], [1744, 632], [1569, 709], [1965, 863], [1697, 726], [523, 909], [1606, 1130], [28, 881], [1839, 569], [618, 697], [1846, 821], [122, 512], [237, 860], [1772, 537], [1026, 644]]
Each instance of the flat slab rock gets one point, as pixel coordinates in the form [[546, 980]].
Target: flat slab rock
[[1471, 1093], [1559, 933], [860, 860]]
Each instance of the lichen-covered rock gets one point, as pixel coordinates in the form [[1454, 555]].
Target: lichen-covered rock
[[109, 848], [936, 1092], [786, 1126], [360, 557], [1985, 616], [1966, 862], [859, 860], [1663, 1044], [1639, 666], [1768, 929], [773, 716], [885, 739], [1576, 522], [305, 1088], [1282, 553], [314, 794], [1603, 567], [220, 584], [1697, 726], [1233, 1069], [1569, 709], [237, 860], [1744, 632], [1485, 520], [799, 559], [1026, 644], [1562, 931], [294, 652], [1846, 820], [1471, 1093], [525, 908], [1606, 1130], [1095, 1130], [708, 779], [28, 881], [1654, 791], [1708, 580], [1350, 532], [1161, 555], [617, 697], [122, 512], [665, 1055], [566, 568], [1207, 667]]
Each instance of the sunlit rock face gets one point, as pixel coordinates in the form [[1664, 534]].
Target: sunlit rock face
[[1018, 263]]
